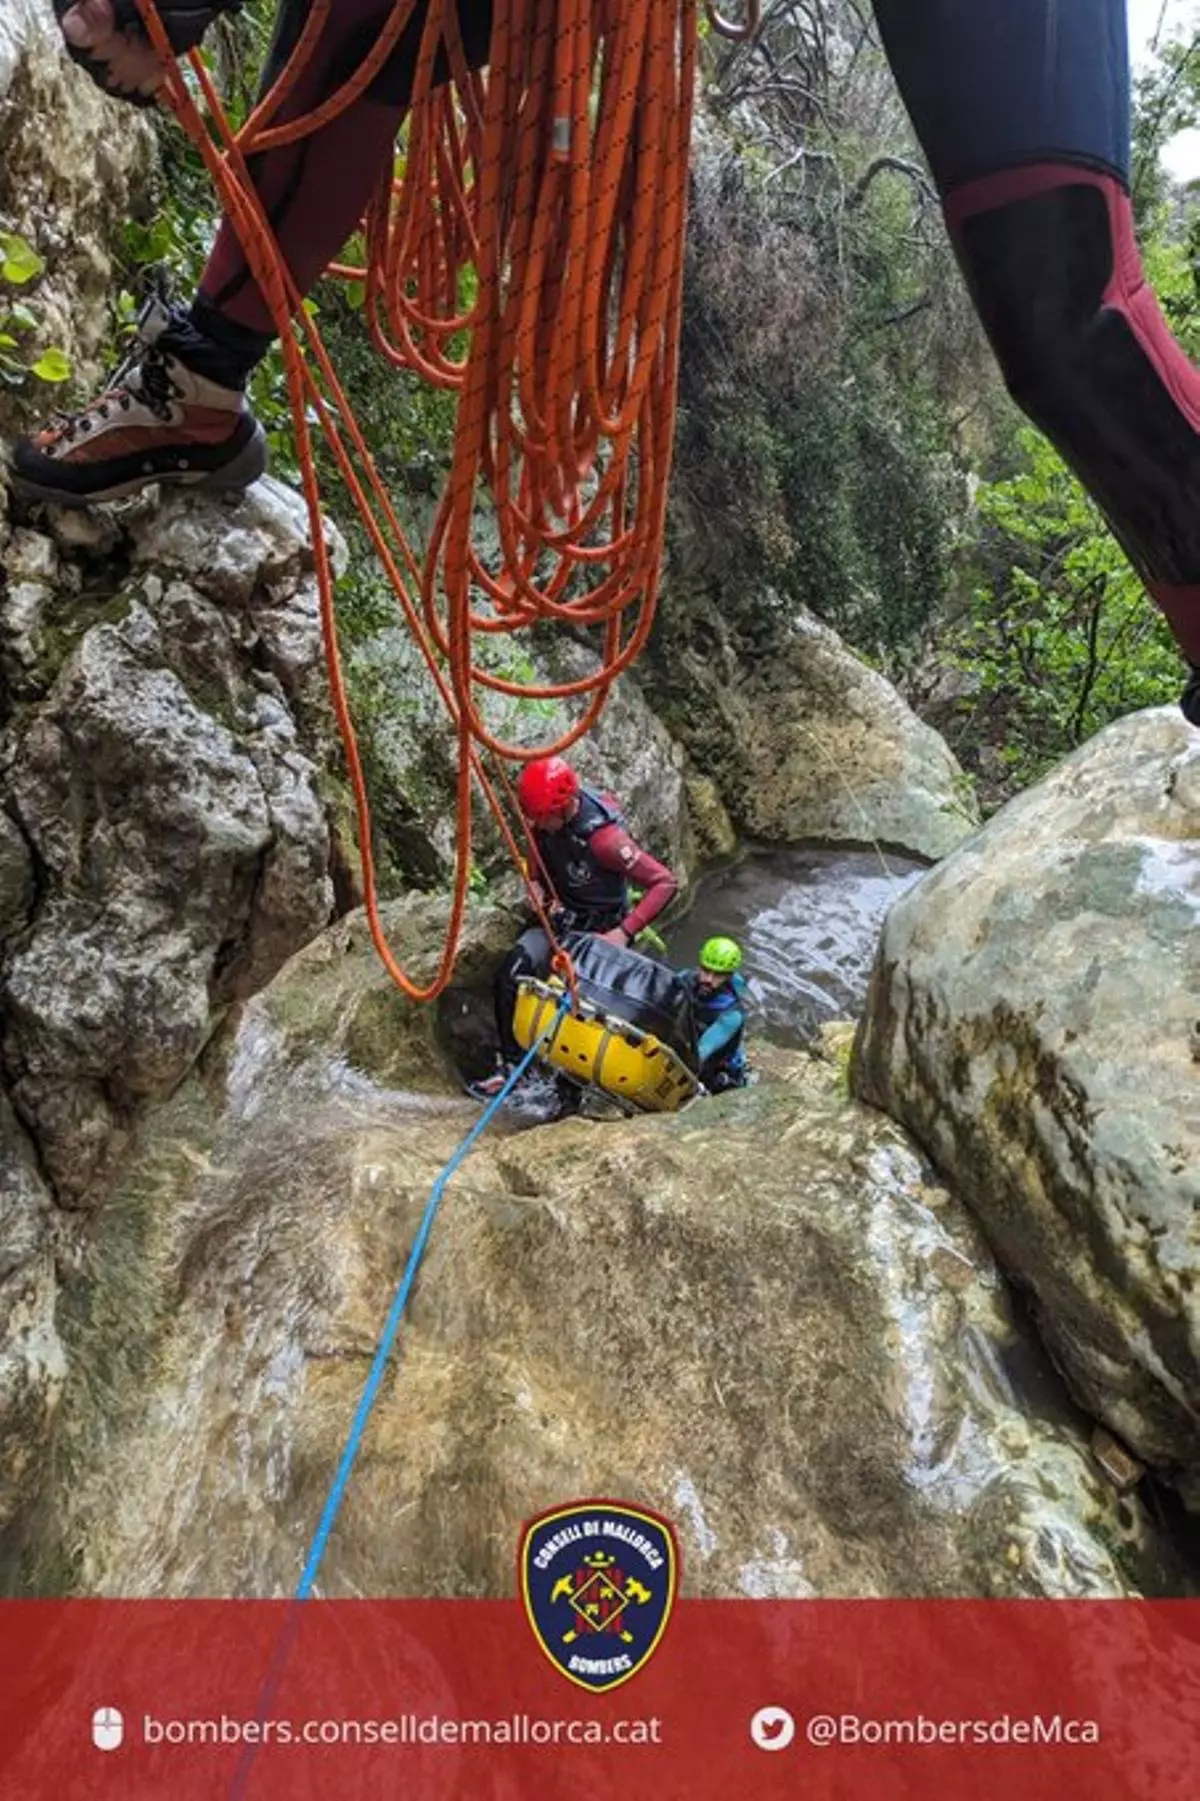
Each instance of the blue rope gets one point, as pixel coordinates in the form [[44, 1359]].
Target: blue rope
[[396, 1314], [370, 1391]]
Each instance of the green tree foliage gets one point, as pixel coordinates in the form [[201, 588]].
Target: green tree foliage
[[1167, 101], [814, 459], [1059, 635]]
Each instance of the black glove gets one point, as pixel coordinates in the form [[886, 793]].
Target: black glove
[[184, 21]]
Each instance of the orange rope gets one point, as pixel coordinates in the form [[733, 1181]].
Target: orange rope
[[539, 221]]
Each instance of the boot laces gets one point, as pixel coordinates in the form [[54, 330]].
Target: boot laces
[[143, 376]]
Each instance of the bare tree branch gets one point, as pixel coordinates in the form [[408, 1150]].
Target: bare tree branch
[[898, 165]]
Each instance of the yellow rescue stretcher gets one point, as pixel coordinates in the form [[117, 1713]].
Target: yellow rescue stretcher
[[620, 1059]]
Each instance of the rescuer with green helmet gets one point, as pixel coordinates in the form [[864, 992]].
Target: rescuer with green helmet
[[718, 1009]]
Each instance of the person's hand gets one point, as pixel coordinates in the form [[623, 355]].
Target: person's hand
[[618, 936], [120, 60]]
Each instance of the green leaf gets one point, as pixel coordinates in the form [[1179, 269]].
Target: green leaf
[[53, 365], [7, 342], [21, 260], [20, 314]]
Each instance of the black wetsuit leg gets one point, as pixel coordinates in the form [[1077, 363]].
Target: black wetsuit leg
[[529, 956], [1023, 110]]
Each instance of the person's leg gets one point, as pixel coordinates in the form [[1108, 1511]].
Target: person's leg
[[178, 412], [1023, 111], [314, 192], [530, 956]]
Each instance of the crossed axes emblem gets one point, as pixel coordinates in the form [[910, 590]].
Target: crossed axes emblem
[[602, 1588]]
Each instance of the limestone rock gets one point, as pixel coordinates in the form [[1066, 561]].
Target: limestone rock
[[1031, 1021], [32, 1365], [233, 550], [32, 583], [758, 1316], [715, 834], [16, 877], [72, 168], [159, 772], [810, 743]]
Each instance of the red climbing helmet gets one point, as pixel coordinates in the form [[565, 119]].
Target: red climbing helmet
[[546, 787]]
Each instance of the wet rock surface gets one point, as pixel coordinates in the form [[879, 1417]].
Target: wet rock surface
[[1032, 1020], [759, 1316]]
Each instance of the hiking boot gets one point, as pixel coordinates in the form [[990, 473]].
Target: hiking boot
[[530, 1089], [1190, 699], [490, 1086], [158, 421]]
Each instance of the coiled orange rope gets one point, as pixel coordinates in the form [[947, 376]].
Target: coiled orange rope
[[552, 192]]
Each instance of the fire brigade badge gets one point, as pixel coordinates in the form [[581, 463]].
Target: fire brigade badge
[[598, 1579]]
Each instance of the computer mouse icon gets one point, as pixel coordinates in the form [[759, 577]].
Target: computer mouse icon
[[108, 1728]]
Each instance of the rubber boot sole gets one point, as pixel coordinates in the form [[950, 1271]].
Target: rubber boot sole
[[238, 474]]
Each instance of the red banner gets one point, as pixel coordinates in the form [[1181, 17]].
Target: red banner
[[756, 1700]]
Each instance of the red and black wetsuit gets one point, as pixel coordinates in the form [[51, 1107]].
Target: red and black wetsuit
[[1023, 110], [316, 190], [590, 864]]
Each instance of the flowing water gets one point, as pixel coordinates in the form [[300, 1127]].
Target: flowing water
[[808, 921]]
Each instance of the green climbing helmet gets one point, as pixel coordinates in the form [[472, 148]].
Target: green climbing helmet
[[720, 955]]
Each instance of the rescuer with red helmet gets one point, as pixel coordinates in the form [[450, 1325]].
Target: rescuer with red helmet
[[586, 863]]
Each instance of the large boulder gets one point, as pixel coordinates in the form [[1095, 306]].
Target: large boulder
[[1033, 1021], [158, 785], [758, 1315], [808, 742]]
